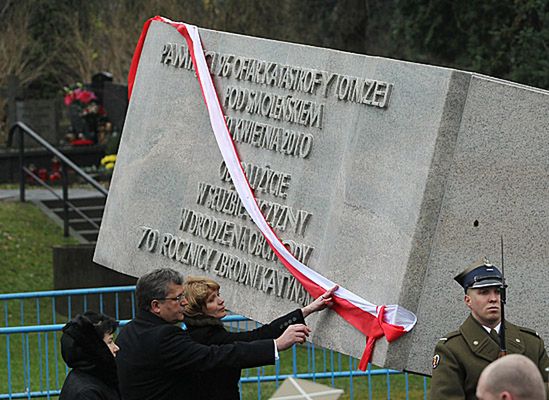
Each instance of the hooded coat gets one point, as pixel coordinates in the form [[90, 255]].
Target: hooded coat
[[93, 374]]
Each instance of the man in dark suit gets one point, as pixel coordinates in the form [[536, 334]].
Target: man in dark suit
[[156, 355]]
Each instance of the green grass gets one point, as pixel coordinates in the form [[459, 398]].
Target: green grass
[[26, 240], [9, 186], [362, 386]]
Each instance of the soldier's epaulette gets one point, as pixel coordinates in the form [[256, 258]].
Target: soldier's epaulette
[[528, 330], [449, 336]]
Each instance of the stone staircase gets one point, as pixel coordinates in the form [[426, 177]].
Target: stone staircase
[[92, 207]]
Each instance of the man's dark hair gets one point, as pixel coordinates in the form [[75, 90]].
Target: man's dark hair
[[103, 324], [154, 285]]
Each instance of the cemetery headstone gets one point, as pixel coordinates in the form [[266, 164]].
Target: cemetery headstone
[[42, 116], [98, 84], [11, 92], [115, 101]]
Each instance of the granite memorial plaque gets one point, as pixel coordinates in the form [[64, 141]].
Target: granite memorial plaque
[[372, 172]]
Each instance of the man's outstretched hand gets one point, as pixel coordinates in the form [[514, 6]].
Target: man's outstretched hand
[[294, 334]]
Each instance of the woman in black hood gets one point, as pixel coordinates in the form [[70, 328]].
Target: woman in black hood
[[88, 348]]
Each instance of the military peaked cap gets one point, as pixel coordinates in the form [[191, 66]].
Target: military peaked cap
[[479, 274]]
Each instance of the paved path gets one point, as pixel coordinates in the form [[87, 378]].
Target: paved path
[[44, 194]]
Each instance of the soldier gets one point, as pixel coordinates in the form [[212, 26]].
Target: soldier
[[461, 356]]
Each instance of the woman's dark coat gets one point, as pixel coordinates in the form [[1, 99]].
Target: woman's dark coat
[[222, 383], [93, 375]]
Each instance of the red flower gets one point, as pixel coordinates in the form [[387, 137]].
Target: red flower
[[69, 98], [84, 96]]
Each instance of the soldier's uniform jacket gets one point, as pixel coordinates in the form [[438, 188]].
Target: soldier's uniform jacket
[[461, 356]]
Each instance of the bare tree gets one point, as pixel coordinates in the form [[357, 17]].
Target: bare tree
[[16, 49]]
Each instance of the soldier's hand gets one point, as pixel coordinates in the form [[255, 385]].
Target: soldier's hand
[[292, 335]]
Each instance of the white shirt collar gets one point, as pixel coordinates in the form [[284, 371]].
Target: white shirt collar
[[488, 329]]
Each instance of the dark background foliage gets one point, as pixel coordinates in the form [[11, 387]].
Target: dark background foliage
[[51, 43]]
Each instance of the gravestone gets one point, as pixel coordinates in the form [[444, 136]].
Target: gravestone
[[11, 92], [98, 82], [115, 101], [42, 116], [384, 176]]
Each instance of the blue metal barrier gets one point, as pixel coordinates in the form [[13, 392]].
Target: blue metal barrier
[[39, 371]]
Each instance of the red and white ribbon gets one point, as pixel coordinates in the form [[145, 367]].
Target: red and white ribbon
[[391, 321]]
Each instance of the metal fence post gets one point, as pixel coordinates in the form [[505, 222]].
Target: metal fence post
[[65, 180], [21, 164]]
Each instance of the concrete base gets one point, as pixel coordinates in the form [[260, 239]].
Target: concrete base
[[73, 268]]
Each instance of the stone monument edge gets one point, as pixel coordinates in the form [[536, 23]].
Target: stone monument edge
[[426, 225]]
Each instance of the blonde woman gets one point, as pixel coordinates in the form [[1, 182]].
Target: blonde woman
[[203, 315]]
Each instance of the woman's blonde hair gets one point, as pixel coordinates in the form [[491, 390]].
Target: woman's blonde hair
[[196, 290]]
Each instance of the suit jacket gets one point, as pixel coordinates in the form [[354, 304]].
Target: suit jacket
[[461, 356], [222, 383], [156, 360]]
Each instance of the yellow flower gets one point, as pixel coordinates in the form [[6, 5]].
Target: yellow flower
[[111, 158], [109, 165]]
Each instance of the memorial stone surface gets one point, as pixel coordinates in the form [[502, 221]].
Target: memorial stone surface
[[387, 177]]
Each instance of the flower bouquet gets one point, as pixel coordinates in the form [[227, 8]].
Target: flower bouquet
[[89, 113]]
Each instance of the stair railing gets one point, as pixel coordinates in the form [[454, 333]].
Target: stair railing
[[24, 130]]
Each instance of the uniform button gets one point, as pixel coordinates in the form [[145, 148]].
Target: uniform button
[[518, 340], [475, 342]]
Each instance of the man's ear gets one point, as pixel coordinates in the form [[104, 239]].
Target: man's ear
[[467, 300], [155, 306]]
